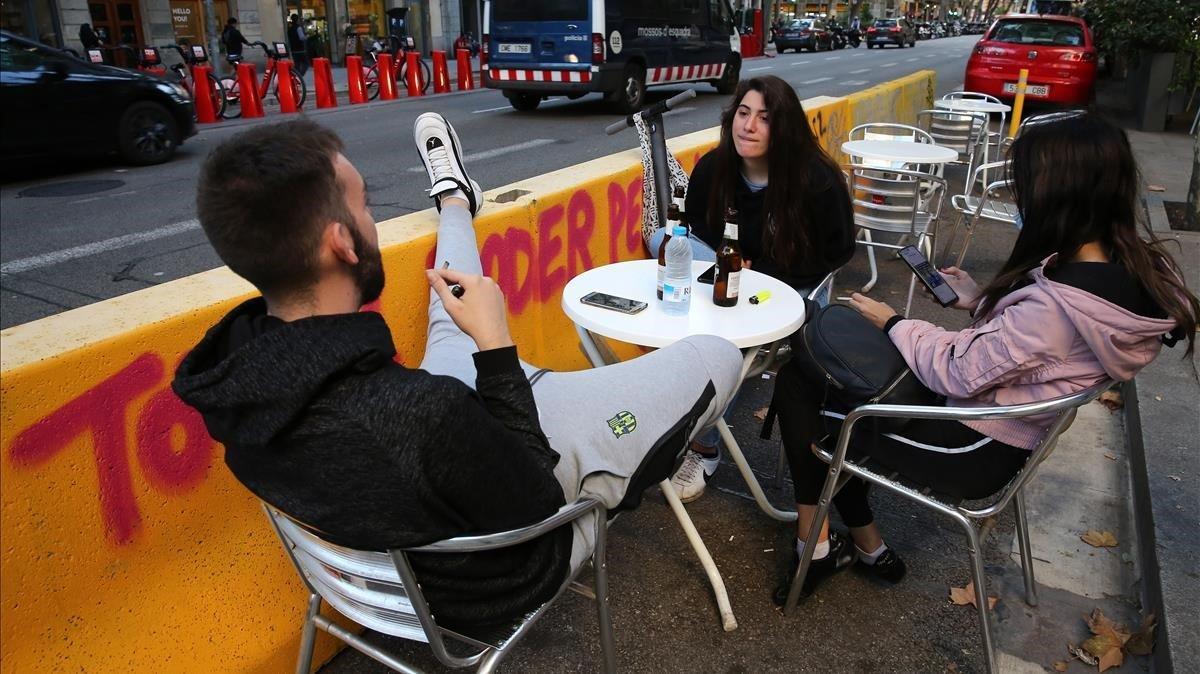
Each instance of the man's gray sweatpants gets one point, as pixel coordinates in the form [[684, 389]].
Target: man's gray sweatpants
[[602, 422]]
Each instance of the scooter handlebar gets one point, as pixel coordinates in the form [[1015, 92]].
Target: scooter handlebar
[[656, 109]]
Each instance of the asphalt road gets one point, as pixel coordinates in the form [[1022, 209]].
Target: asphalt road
[[75, 233]]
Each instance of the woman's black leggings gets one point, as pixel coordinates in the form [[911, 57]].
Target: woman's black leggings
[[944, 455]]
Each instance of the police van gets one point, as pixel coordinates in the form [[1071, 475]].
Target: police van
[[533, 49]]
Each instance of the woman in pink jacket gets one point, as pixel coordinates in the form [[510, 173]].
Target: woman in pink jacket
[[1082, 297]]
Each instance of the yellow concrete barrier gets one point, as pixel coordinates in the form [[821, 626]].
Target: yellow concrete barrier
[[127, 547]]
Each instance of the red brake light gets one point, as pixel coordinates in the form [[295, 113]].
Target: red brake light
[[483, 50], [871, 29], [597, 48], [895, 29]]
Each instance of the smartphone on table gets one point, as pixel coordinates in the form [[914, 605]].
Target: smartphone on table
[[932, 278], [709, 276], [606, 301]]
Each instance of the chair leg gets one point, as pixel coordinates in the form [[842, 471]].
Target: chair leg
[[979, 578], [912, 286], [308, 637], [870, 261], [1026, 554], [949, 245], [600, 568]]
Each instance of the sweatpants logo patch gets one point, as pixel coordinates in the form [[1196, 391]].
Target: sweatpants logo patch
[[623, 424]]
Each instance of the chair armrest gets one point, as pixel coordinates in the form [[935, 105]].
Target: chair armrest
[[504, 539]]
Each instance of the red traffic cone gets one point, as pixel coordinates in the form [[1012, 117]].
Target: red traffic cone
[[323, 79], [284, 90], [248, 91], [413, 75], [466, 79], [202, 97], [385, 67], [441, 73], [354, 78]]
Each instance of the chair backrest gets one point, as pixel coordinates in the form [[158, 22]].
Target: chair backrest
[[886, 199], [886, 131], [362, 585], [970, 95], [962, 132]]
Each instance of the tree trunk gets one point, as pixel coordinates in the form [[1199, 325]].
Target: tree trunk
[[1193, 197]]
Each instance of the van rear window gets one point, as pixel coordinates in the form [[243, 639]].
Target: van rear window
[[539, 10]]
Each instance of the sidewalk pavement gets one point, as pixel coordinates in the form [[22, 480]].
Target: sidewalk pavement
[[1133, 474]]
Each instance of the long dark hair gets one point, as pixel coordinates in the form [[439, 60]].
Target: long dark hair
[[792, 152], [1075, 182]]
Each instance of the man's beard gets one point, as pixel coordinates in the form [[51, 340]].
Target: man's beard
[[368, 273]]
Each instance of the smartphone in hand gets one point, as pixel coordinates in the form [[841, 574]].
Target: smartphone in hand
[[932, 279]]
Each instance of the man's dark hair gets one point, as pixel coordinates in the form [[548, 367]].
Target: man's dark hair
[[264, 198]]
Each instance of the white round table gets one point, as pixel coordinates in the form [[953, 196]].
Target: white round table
[[746, 325], [971, 105], [900, 151]]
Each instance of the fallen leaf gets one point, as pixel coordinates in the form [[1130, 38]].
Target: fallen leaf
[[1060, 666], [1112, 400], [761, 414], [962, 596], [1112, 658], [1082, 655], [1110, 457], [1154, 188], [1141, 642], [1099, 539], [1158, 398], [1102, 625]]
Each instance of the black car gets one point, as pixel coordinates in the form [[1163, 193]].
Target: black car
[[54, 103], [804, 34], [891, 31]]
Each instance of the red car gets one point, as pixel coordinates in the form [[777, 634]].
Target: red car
[[1057, 50]]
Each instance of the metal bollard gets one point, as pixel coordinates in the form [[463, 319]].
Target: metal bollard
[[323, 79], [386, 70], [354, 77], [251, 102], [413, 75], [466, 79], [441, 73]]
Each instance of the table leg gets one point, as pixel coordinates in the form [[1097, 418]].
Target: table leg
[[728, 622], [739, 459]]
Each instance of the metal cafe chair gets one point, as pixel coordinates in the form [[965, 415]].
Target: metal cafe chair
[[963, 132], [895, 201], [993, 201], [380, 591], [1063, 408]]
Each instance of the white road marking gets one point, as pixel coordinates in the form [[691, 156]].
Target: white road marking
[[832, 58], [88, 249], [910, 60], [505, 107], [754, 70], [103, 196], [819, 79], [855, 83], [860, 71], [496, 152], [888, 65]]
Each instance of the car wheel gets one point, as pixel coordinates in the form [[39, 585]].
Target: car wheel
[[147, 134], [729, 79], [524, 102], [632, 94]]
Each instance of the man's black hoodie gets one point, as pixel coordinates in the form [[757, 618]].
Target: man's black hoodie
[[318, 420]]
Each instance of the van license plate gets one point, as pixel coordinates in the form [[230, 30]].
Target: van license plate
[[513, 48], [1030, 89]]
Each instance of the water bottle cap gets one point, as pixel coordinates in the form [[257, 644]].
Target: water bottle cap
[[679, 230]]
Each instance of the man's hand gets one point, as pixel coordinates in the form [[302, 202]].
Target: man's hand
[[480, 312], [964, 286], [877, 313]]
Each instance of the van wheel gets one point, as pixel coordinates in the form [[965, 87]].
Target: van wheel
[[147, 134], [524, 102], [729, 79], [632, 94]]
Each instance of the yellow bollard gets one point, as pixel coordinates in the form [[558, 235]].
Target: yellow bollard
[[1018, 103]]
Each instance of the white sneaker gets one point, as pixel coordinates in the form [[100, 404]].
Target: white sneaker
[[691, 478], [441, 154]]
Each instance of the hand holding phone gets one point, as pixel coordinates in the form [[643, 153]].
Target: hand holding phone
[[966, 287], [934, 281]]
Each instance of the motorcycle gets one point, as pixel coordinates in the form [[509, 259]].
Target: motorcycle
[[854, 37], [838, 39]]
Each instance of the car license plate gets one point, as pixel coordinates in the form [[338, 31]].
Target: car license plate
[[1042, 90], [513, 48]]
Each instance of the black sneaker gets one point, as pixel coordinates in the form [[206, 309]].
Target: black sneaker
[[841, 556], [889, 568]]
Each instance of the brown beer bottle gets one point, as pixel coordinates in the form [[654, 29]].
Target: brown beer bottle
[[674, 217], [729, 263]]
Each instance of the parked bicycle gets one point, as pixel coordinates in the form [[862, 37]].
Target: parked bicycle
[[398, 48], [194, 55], [233, 108]]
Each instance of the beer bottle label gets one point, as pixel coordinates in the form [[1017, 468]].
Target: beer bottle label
[[735, 281], [731, 230]]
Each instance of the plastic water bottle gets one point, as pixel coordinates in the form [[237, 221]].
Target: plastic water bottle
[[677, 284]]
